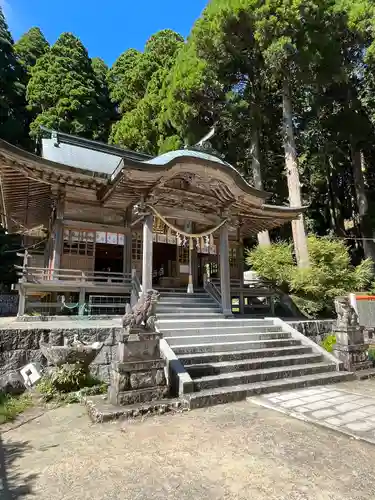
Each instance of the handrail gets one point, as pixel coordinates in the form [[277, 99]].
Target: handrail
[[212, 290]]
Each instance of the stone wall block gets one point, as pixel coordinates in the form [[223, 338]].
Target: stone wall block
[[104, 356], [160, 377], [142, 380], [120, 381], [101, 372], [139, 396], [11, 340]]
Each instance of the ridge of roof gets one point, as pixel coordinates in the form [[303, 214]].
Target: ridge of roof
[[96, 145]]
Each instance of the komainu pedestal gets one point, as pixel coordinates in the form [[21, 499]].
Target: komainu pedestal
[[138, 375], [350, 347]]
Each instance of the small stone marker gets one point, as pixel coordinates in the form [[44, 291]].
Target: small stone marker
[[31, 373]]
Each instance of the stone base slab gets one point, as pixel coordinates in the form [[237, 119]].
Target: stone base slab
[[122, 398], [353, 357], [135, 366], [352, 335], [100, 410], [139, 349]]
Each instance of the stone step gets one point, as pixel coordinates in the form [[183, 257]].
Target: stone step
[[225, 337], [186, 299], [173, 332], [169, 293], [161, 309], [215, 322], [184, 315], [205, 369], [216, 357], [210, 397], [233, 346], [252, 376], [187, 302]]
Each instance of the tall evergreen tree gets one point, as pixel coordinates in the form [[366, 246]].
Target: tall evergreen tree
[[144, 75], [12, 89], [63, 89], [107, 113], [125, 89], [30, 47]]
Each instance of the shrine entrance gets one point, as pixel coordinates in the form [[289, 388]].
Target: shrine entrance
[[164, 263], [109, 258], [207, 265]]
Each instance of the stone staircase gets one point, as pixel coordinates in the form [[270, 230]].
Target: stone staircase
[[230, 359]]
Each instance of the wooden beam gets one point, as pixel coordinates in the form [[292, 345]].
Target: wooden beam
[[95, 226]]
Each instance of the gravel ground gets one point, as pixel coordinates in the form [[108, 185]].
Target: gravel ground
[[235, 451]]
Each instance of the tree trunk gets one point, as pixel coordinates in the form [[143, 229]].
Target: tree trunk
[[291, 166], [361, 196], [337, 222], [263, 237]]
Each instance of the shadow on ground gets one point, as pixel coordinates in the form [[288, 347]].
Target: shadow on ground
[[13, 484]]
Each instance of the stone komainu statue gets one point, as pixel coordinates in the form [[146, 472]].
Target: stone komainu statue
[[143, 314], [346, 315]]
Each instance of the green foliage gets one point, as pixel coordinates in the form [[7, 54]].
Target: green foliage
[[69, 383], [314, 289], [11, 406], [12, 89], [371, 353], [275, 262], [63, 90], [329, 342], [30, 47], [137, 82], [106, 114]]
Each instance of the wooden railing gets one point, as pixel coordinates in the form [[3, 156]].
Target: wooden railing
[[42, 275]]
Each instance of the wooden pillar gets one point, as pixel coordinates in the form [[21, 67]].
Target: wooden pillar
[[240, 256], [147, 253], [21, 301], [81, 301], [190, 287], [194, 263], [225, 271], [58, 235], [127, 251], [22, 291]]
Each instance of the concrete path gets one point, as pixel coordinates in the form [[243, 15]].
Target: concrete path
[[232, 452], [348, 408]]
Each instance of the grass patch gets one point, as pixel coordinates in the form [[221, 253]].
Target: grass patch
[[11, 406]]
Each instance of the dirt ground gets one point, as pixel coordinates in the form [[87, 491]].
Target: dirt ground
[[234, 451]]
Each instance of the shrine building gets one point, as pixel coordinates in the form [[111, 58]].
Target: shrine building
[[98, 220]]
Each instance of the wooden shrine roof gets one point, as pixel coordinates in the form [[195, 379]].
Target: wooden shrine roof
[[184, 184]]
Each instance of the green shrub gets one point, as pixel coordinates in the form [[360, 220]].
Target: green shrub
[[65, 383], [329, 342], [314, 288], [371, 353]]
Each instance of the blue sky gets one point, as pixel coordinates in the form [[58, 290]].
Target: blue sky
[[106, 27]]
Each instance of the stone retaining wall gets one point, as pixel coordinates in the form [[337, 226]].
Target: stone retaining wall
[[8, 304], [316, 330], [21, 346]]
